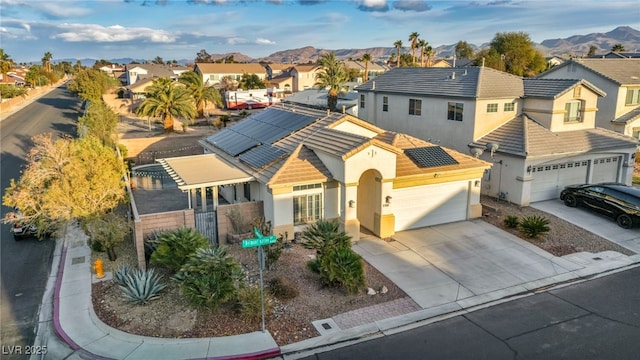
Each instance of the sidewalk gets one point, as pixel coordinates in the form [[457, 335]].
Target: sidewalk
[[431, 298]]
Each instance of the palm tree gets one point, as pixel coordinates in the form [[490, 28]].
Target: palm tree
[[422, 44], [414, 38], [618, 48], [166, 100], [398, 45], [428, 52], [331, 76], [199, 91], [366, 58], [6, 62], [46, 61]]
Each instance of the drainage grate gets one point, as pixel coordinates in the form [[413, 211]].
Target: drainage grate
[[326, 326], [77, 260], [597, 258]]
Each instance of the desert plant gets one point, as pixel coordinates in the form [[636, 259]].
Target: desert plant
[[511, 221], [343, 267], [209, 277], [282, 288], [121, 273], [534, 225], [142, 286], [323, 236], [174, 247], [250, 303]]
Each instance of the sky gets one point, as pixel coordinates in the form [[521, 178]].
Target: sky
[[175, 30]]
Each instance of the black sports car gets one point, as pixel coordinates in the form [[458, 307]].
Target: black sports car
[[619, 201]]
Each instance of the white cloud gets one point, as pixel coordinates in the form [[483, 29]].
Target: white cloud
[[236, 40], [115, 33], [262, 41], [52, 9]]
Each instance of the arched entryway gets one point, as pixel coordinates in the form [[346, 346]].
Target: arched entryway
[[369, 200]]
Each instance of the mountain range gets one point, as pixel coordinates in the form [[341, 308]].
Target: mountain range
[[576, 46]]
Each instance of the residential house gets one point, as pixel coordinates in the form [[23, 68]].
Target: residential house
[[539, 133], [620, 79], [374, 69], [305, 165], [138, 72], [317, 99], [303, 76], [451, 62], [212, 73], [112, 68], [618, 55]]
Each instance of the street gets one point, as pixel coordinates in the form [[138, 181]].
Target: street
[[25, 264], [597, 319]]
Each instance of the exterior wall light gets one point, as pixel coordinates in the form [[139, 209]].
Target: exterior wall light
[[352, 203], [388, 199]]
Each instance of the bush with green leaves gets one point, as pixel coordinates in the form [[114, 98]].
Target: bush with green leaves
[[210, 277], [324, 236], [175, 247], [250, 303], [141, 286], [511, 221], [282, 288], [534, 225], [343, 267]]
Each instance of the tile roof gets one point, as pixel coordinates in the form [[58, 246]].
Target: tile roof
[[620, 71], [524, 137], [470, 82], [301, 167], [233, 68], [159, 70], [629, 116], [554, 88]]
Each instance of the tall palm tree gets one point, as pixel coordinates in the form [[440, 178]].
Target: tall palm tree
[[414, 38], [398, 45], [331, 76], [46, 61], [366, 58], [422, 45], [199, 91], [618, 47], [428, 52], [166, 100]]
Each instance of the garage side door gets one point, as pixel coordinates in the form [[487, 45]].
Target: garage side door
[[428, 205], [549, 180], [605, 169]]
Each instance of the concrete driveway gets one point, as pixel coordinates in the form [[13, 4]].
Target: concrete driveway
[[465, 263], [596, 223]]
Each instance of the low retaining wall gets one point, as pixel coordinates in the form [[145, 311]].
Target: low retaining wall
[[249, 211], [150, 223]]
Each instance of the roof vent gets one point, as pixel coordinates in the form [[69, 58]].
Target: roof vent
[[453, 75], [465, 72], [373, 85]]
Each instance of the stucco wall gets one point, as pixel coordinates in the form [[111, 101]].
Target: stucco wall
[[150, 223], [249, 211]]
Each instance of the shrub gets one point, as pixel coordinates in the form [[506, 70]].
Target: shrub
[[141, 286], [324, 236], [209, 277], [343, 267], [532, 226], [511, 221], [282, 288], [251, 305], [120, 275], [174, 247], [314, 266]]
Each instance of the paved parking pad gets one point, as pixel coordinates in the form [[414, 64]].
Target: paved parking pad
[[459, 261]]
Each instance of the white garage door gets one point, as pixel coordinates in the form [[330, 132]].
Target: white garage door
[[549, 180], [605, 170], [430, 205]]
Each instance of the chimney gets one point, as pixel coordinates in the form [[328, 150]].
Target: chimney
[[373, 85], [344, 109], [453, 75]]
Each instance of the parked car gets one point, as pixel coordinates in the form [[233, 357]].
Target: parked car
[[619, 201], [21, 231]]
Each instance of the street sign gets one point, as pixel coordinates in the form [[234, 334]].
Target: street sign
[[266, 240]]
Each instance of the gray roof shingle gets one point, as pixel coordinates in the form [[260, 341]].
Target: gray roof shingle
[[629, 116], [553, 88], [620, 71]]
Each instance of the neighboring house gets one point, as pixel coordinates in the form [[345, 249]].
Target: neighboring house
[[138, 72], [212, 73], [539, 133], [112, 68], [139, 89], [317, 99], [617, 55], [307, 165], [554, 61], [452, 62], [303, 76], [273, 70], [374, 69], [620, 79]]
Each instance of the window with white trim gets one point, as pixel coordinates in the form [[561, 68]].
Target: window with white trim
[[415, 107], [491, 108], [573, 111], [454, 111], [307, 203], [633, 97]]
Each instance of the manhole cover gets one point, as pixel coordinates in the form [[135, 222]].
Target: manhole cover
[[77, 260]]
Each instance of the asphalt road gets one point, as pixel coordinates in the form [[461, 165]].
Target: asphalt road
[[597, 319], [26, 264]]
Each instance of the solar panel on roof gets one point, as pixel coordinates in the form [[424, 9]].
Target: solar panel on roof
[[430, 156], [231, 142], [262, 155]]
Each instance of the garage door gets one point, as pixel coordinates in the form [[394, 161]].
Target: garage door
[[605, 170], [549, 180], [428, 205]]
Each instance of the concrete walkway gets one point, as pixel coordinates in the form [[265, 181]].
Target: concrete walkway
[[443, 269]]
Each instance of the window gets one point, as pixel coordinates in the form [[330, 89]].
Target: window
[[573, 111], [307, 187], [415, 107], [362, 101], [307, 209], [454, 111], [509, 106], [577, 91], [633, 97], [385, 103], [246, 187], [491, 108]]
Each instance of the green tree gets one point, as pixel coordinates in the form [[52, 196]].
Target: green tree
[[464, 50], [158, 60], [6, 62], [64, 180], [37, 76], [618, 47], [251, 81], [398, 46], [10, 91], [99, 121], [90, 84], [367, 59], [199, 91], [166, 100], [414, 38], [109, 230], [592, 50], [516, 53], [203, 57], [46, 61], [428, 53], [331, 76]]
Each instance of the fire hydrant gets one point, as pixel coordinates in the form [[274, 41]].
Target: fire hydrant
[[97, 266]]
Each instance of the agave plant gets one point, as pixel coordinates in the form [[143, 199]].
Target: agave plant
[[174, 247], [120, 275], [325, 236], [142, 286]]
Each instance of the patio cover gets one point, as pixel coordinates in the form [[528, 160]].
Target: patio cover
[[198, 171]]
